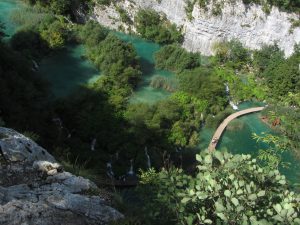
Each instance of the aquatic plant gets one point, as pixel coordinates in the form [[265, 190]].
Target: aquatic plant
[[164, 83], [235, 125]]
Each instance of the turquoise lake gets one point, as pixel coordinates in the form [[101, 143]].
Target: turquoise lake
[[6, 7], [146, 50], [67, 69]]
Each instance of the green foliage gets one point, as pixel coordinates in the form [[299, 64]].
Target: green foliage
[[38, 26], [203, 84], [125, 18], [177, 119], [29, 43], [227, 189], [56, 34], [175, 58], [267, 56], [215, 121], [289, 126], [232, 53], [203, 3], [280, 75], [63, 7], [295, 24], [217, 8], [91, 34], [23, 95], [117, 60], [91, 115], [152, 26], [241, 88], [189, 9], [272, 157], [192, 108]]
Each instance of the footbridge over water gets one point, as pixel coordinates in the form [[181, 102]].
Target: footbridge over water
[[217, 135]]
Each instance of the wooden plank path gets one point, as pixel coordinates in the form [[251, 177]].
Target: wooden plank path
[[215, 139]]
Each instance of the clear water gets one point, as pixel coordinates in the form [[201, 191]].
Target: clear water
[[240, 141], [66, 69], [6, 8], [146, 50]]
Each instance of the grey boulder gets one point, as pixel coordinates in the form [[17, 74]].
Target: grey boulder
[[34, 189]]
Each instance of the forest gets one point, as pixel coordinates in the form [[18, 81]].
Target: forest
[[213, 188]]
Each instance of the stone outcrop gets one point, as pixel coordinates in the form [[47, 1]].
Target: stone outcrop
[[35, 190], [248, 24]]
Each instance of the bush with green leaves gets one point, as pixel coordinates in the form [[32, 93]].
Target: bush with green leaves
[[289, 126], [280, 75], [178, 118], [91, 34], [152, 26], [118, 62], [56, 34], [64, 7], [35, 26], [176, 58], [202, 83], [227, 189], [232, 53], [272, 157], [23, 94], [241, 88], [216, 120]]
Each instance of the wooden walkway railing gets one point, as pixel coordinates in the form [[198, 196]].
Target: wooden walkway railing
[[215, 139]]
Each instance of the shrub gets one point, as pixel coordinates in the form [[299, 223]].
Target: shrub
[[152, 26], [175, 58], [227, 189]]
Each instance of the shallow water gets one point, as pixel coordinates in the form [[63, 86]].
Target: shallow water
[[240, 141], [6, 8], [146, 50], [66, 69]]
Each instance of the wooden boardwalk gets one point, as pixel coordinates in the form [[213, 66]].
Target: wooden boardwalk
[[215, 139]]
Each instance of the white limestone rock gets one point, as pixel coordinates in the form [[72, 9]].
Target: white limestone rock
[[248, 24]]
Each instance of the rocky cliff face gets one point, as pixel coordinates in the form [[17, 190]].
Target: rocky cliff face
[[34, 189], [249, 24]]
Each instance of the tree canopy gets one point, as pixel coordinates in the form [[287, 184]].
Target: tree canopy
[[153, 26]]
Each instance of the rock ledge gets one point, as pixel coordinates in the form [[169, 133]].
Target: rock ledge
[[35, 190]]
